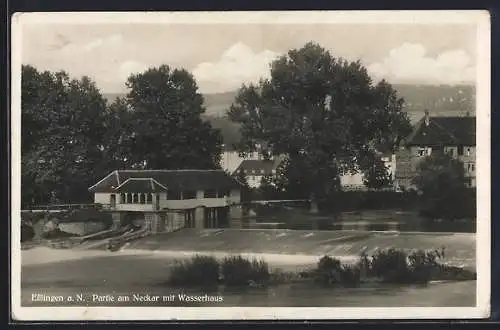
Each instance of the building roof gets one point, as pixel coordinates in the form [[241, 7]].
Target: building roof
[[152, 180], [257, 166], [444, 131], [140, 185]]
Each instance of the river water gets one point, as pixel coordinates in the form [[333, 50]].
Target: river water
[[143, 267]]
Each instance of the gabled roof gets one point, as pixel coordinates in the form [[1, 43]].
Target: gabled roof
[[444, 131], [257, 167], [140, 185], [147, 180]]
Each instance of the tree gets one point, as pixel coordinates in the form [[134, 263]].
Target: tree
[[62, 136], [323, 113], [442, 183], [119, 126], [167, 131], [246, 191], [376, 174]]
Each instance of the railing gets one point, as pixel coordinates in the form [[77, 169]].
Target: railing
[[66, 206]]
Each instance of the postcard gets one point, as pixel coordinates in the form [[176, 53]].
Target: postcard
[[250, 165]]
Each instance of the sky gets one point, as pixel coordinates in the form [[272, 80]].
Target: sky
[[223, 56]]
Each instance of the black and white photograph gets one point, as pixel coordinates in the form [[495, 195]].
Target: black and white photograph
[[250, 165]]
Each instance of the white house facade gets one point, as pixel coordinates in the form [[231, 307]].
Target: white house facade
[[164, 200]]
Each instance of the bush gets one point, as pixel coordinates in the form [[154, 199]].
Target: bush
[[27, 232], [330, 271], [237, 270], [390, 266], [199, 271]]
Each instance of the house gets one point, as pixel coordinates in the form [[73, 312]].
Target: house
[[231, 159], [166, 200], [355, 181], [455, 136], [256, 169]]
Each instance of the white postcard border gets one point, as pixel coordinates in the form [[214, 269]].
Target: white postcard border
[[480, 18]]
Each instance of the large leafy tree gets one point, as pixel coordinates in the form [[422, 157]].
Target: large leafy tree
[[62, 136], [324, 113], [444, 193], [376, 173], [167, 131]]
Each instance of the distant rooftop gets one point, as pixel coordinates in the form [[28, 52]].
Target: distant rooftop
[[444, 131], [155, 180]]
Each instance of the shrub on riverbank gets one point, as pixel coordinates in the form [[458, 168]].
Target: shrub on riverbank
[[238, 271], [199, 270], [389, 266]]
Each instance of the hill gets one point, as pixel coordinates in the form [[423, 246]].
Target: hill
[[440, 100]]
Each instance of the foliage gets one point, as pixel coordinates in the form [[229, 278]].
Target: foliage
[[442, 183], [199, 270], [389, 266], [27, 232], [168, 131], [324, 113], [246, 191], [376, 174], [239, 271], [62, 136], [71, 137]]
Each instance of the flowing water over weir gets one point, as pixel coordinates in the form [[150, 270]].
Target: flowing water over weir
[[460, 248], [142, 266]]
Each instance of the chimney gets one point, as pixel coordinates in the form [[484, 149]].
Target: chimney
[[426, 117]]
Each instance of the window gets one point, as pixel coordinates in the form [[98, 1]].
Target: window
[[174, 195], [143, 198], [468, 151], [212, 193], [460, 150], [129, 198], [123, 198], [421, 152], [135, 198], [473, 167], [189, 194], [150, 198]]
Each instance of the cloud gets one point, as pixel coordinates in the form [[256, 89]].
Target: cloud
[[237, 65], [131, 67], [410, 63]]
